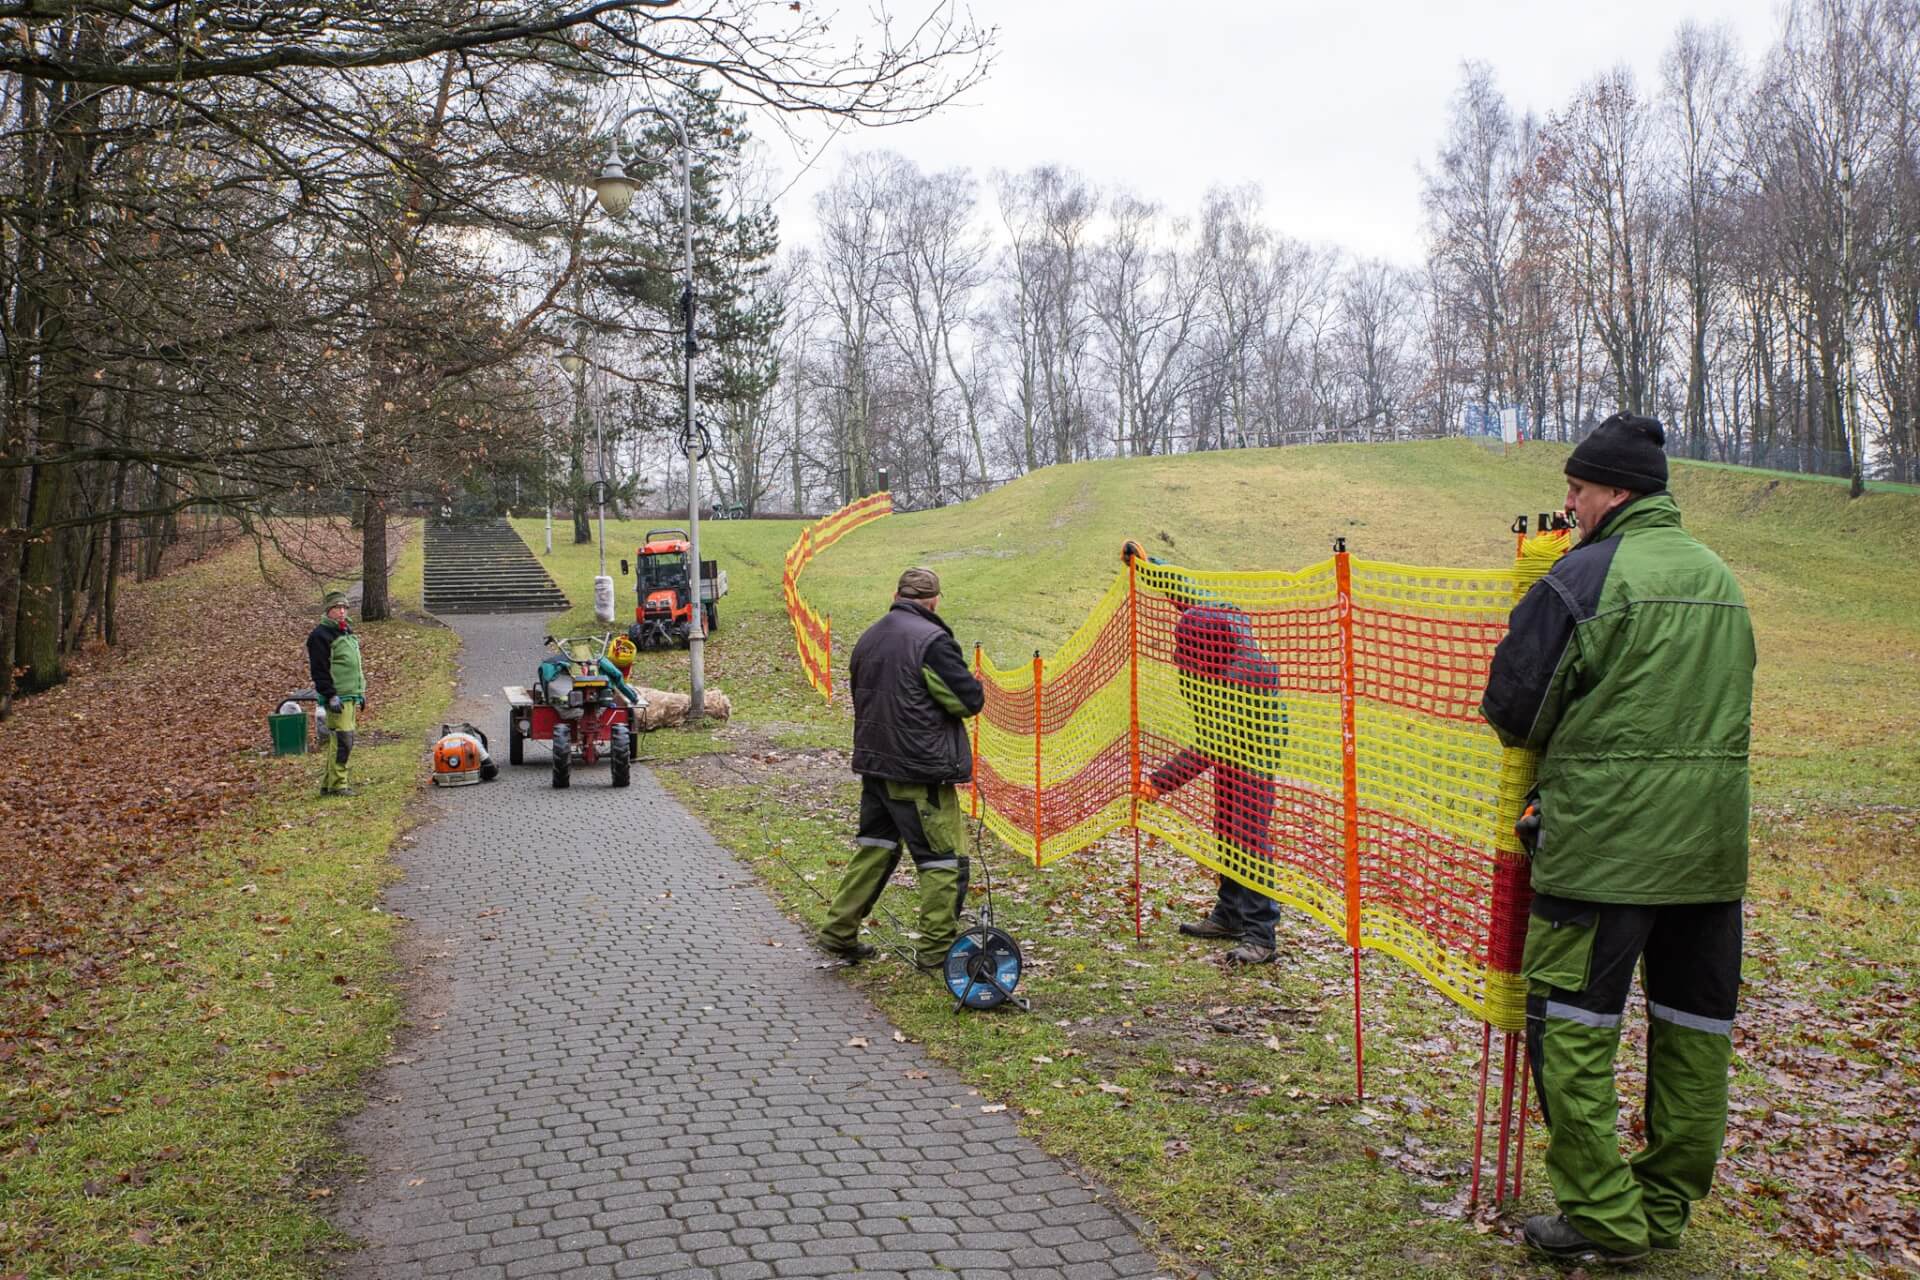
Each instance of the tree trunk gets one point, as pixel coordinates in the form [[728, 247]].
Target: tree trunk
[[12, 433], [374, 606], [41, 570]]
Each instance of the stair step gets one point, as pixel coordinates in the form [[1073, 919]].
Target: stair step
[[486, 567]]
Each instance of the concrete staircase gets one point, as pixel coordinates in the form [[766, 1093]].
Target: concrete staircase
[[483, 566]]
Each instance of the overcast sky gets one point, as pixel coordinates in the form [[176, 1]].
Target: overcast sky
[[1331, 109]]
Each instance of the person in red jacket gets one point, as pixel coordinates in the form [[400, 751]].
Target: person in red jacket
[[1240, 725]]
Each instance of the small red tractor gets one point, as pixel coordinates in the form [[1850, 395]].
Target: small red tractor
[[663, 587], [580, 707]]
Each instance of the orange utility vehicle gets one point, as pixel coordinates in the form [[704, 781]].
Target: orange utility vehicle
[[663, 582]]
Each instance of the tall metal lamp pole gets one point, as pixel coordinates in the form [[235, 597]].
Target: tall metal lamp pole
[[615, 190]]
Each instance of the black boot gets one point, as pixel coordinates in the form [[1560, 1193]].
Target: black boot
[[851, 954], [1553, 1235]]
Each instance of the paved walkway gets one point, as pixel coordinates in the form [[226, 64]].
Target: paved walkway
[[615, 1075]]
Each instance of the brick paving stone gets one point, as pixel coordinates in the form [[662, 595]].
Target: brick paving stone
[[615, 1086]]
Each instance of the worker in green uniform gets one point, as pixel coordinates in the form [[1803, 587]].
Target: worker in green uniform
[[912, 693], [1629, 667], [333, 660]]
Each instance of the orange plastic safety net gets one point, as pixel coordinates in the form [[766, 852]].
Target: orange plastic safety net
[[812, 631], [1315, 735]]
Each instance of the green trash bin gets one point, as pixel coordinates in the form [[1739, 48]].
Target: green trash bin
[[289, 733]]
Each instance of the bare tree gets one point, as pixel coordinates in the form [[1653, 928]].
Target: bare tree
[[1471, 213], [1701, 76], [1147, 305], [934, 267]]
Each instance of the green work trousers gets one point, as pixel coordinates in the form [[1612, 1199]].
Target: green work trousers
[[340, 725], [1579, 963], [926, 820]]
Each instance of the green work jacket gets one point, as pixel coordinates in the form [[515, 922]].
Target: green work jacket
[[333, 660], [1629, 667]]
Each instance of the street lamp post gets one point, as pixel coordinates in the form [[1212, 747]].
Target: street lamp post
[[615, 189]]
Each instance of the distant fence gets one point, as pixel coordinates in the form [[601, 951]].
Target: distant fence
[[813, 631]]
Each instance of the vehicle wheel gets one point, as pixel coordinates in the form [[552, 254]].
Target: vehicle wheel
[[621, 756], [516, 741], [562, 747], [713, 616]]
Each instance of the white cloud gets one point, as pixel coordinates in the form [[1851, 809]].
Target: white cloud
[[1331, 110]]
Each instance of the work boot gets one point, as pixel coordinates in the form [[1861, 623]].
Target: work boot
[[1553, 1235], [1208, 928], [1252, 953], [867, 873], [851, 954]]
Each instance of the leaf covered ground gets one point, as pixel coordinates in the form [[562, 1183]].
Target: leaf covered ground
[[106, 775], [195, 964]]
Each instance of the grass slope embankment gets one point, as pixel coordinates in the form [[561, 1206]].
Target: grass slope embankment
[[169, 1112], [1219, 1104]]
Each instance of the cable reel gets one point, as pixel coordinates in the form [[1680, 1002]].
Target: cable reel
[[983, 964], [983, 968]]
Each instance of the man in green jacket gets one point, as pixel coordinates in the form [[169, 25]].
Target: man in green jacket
[[912, 693], [333, 660], [1629, 668]]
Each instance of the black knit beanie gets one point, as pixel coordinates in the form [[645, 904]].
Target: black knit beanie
[[1626, 451]]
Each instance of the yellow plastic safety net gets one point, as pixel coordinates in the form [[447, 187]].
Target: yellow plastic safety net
[[1315, 735], [812, 631]]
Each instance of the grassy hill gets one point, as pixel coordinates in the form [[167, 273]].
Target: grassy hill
[[1831, 581], [1234, 1136]]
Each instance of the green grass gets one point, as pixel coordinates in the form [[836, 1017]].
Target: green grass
[[186, 1129], [1872, 486], [1836, 607], [1248, 1159], [1243, 1150]]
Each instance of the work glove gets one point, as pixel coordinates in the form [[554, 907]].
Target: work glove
[[334, 704], [1527, 829]]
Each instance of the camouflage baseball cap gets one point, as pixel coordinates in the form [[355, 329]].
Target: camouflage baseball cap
[[918, 584]]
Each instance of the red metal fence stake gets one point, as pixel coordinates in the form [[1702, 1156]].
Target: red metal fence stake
[[1520, 1142], [1350, 788], [1133, 734], [1480, 1115], [979, 672], [1039, 736], [1506, 1124]]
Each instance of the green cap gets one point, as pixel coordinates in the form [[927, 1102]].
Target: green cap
[[334, 598]]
